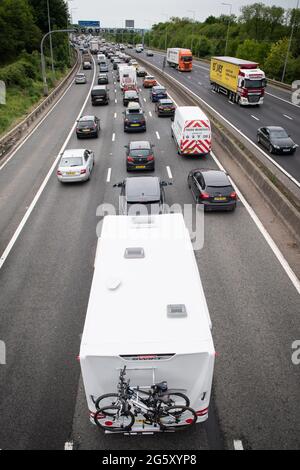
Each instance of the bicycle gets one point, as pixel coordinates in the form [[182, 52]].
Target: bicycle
[[158, 407]]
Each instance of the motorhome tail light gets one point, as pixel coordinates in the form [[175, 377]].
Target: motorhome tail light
[[233, 195], [202, 412]]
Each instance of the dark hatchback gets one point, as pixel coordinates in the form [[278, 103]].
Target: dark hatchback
[[87, 126], [134, 122], [213, 189], [143, 195], [139, 156], [102, 79], [130, 95], [276, 140], [158, 93], [165, 107], [99, 95]]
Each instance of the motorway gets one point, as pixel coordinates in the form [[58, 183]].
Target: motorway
[[277, 110], [46, 278]]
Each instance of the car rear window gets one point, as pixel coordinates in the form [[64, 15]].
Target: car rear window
[[135, 116], [140, 153], [85, 124], [98, 92], [71, 161]]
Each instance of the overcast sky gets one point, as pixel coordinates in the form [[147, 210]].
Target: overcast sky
[[145, 13]]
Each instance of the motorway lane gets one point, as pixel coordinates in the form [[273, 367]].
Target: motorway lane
[[44, 307], [23, 174], [272, 112]]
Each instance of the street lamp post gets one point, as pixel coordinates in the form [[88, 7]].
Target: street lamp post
[[49, 26], [290, 44], [227, 35], [44, 76], [193, 30]]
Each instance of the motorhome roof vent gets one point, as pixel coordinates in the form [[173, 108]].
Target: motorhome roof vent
[[134, 253], [176, 311]]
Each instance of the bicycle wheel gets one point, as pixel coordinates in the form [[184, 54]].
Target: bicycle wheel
[[109, 399], [112, 418], [177, 417], [176, 398]]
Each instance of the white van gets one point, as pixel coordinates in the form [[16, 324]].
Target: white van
[[101, 58], [160, 328], [191, 131], [127, 74]]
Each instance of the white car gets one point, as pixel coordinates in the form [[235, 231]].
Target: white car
[[80, 78], [75, 165]]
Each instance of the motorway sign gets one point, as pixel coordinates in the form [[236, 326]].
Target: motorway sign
[[89, 24]]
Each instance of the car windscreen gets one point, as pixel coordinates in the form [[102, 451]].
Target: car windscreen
[[85, 124], [279, 134], [98, 92], [71, 161], [140, 152]]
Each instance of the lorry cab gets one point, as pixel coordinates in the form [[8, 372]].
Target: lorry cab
[[182, 59]]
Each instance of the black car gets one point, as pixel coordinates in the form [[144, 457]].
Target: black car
[[88, 126], [158, 93], [116, 63], [213, 189], [139, 156], [141, 72], [102, 79], [143, 195], [165, 107], [134, 122], [99, 95], [130, 95], [276, 140]]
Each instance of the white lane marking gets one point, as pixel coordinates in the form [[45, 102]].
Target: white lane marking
[[238, 445], [288, 117], [295, 281], [297, 183], [69, 445], [282, 99], [108, 175], [150, 114], [230, 102], [200, 83], [113, 137], [44, 183], [116, 100], [157, 135], [169, 172], [145, 100], [115, 115], [254, 117], [115, 90], [36, 127]]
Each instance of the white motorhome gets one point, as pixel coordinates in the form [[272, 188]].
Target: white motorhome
[[191, 131], [161, 332], [94, 46], [101, 58], [127, 74]]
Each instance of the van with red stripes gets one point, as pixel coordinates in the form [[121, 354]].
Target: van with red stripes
[[191, 131]]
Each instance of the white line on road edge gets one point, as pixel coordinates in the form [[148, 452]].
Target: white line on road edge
[[238, 445], [254, 117], [282, 99], [295, 281], [169, 172], [157, 135], [113, 137], [288, 117], [44, 183], [150, 114], [69, 445], [36, 127], [108, 175], [297, 183]]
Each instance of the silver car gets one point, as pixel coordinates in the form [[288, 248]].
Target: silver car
[[75, 165], [80, 78]]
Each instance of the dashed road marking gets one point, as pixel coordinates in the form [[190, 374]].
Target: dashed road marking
[[150, 114], [254, 117], [108, 175], [69, 445], [157, 135], [169, 172], [113, 137], [288, 117], [238, 445], [115, 115]]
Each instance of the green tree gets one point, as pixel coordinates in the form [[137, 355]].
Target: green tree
[[275, 60], [254, 50]]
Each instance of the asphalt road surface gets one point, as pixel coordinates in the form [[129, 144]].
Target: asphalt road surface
[[46, 278]]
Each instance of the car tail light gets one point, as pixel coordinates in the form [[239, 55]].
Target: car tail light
[[150, 158], [204, 196], [143, 122], [130, 159], [82, 172], [233, 195], [202, 412], [126, 120], [58, 173], [160, 107]]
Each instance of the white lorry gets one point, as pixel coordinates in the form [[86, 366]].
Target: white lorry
[[127, 76], [94, 46], [191, 131], [147, 310]]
